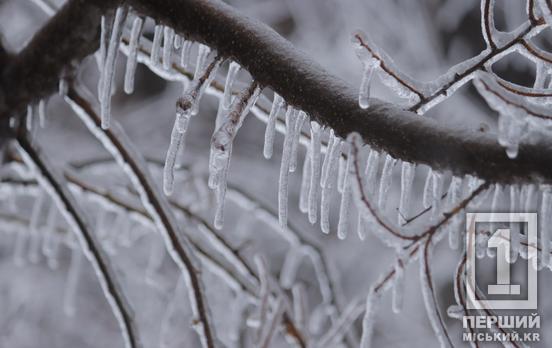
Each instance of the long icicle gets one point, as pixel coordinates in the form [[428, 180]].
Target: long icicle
[[108, 71], [314, 191], [134, 42], [291, 119], [277, 105]]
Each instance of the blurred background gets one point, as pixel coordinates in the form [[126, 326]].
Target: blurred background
[[60, 304]]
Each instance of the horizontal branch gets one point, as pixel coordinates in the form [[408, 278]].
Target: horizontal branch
[[275, 63]]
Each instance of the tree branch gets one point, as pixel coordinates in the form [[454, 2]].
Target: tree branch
[[274, 62]]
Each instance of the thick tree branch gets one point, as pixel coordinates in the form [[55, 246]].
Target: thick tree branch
[[274, 62]]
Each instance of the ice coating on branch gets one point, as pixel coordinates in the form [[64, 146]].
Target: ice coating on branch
[[514, 112], [453, 195], [301, 118], [202, 53], [268, 331], [168, 42], [398, 285], [314, 187], [72, 283], [407, 178], [185, 53], [291, 265], [291, 120], [372, 57], [546, 223], [277, 105], [366, 82], [386, 180], [221, 145], [156, 44], [108, 70], [300, 306], [188, 105], [135, 33], [233, 70], [372, 302], [345, 207], [177, 141]]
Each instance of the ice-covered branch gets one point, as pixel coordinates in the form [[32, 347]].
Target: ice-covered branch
[[116, 142], [55, 186], [275, 63]]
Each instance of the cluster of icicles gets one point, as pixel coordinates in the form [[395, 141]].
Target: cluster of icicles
[[327, 155]]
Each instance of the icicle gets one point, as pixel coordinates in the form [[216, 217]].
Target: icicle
[[514, 227], [398, 285], [30, 118], [345, 207], [371, 171], [168, 41], [301, 118], [35, 235], [436, 193], [291, 119], [428, 190], [105, 25], [156, 44], [329, 167], [133, 44], [177, 140], [386, 179], [185, 53], [364, 92], [49, 235], [277, 105], [407, 178], [341, 174], [453, 196], [42, 113], [546, 223], [72, 284], [233, 70], [202, 53], [494, 207], [221, 146], [178, 41], [108, 71], [305, 184], [372, 301], [292, 262], [510, 130], [314, 189]]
